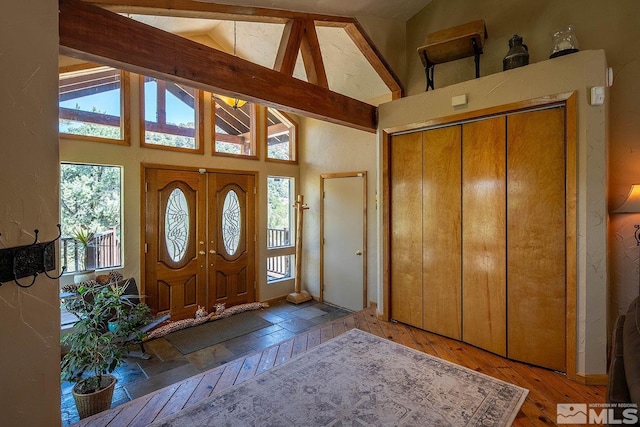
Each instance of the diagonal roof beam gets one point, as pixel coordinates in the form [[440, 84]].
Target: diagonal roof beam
[[201, 9], [311, 56], [91, 33], [289, 47]]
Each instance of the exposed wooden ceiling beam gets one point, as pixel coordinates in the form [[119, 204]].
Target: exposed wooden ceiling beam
[[91, 33], [207, 10], [377, 61], [289, 47], [312, 57], [201, 9]]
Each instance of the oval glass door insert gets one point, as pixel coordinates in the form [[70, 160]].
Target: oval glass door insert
[[231, 222], [176, 225]]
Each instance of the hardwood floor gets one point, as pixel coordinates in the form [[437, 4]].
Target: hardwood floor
[[546, 388]]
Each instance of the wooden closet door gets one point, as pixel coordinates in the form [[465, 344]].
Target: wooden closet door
[[484, 279], [536, 236], [441, 257], [406, 228]]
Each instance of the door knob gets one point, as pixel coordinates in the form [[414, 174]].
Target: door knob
[[212, 252], [202, 253], [358, 253]]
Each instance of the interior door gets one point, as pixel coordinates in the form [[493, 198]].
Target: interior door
[[441, 235], [536, 238], [175, 272], [405, 154], [231, 239], [344, 253], [484, 234]]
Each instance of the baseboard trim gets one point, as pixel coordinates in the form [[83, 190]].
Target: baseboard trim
[[592, 379]]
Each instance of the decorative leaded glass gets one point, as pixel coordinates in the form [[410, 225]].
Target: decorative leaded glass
[[176, 225], [231, 222]]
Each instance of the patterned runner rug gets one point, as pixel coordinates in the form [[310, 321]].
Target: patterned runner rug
[[360, 379]]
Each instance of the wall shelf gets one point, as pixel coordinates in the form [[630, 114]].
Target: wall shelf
[[452, 44]]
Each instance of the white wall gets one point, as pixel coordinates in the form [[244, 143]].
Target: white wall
[[329, 148], [29, 318], [578, 72]]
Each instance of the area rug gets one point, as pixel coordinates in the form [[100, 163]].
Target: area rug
[[212, 333], [360, 379]]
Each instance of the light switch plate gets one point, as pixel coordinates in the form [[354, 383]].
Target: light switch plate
[[459, 100], [597, 95]]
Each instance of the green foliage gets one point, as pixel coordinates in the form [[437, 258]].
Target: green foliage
[[90, 129], [278, 199], [89, 198], [94, 350], [169, 140]]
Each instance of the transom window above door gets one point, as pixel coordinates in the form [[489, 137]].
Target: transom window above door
[[93, 104], [234, 123], [171, 114]]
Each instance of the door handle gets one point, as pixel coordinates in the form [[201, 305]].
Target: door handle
[[358, 252], [202, 253], [212, 252]]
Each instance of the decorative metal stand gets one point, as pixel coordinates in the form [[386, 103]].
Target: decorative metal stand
[[29, 260], [299, 296]]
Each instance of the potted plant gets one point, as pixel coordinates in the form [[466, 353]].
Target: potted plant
[[94, 349], [85, 239]]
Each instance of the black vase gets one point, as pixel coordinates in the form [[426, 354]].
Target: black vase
[[518, 54]]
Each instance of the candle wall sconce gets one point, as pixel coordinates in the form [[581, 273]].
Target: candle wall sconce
[[29, 261]]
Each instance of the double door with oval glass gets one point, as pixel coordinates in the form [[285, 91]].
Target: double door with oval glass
[[199, 240]]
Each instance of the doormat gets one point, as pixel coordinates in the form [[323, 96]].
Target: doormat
[[359, 379], [212, 333]]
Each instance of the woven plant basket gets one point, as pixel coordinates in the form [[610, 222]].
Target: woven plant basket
[[92, 403]]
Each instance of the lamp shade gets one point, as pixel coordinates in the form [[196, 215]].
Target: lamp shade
[[232, 102], [632, 203]]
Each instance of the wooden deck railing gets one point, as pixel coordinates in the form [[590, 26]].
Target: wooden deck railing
[[103, 252], [278, 267]]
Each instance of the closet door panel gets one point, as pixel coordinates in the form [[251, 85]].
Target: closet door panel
[[484, 278], [536, 238], [441, 257], [406, 228]]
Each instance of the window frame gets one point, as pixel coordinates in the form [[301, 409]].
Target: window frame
[[253, 129], [293, 136], [289, 250], [125, 106], [121, 215], [199, 122]]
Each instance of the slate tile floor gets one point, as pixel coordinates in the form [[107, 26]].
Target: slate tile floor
[[137, 377]]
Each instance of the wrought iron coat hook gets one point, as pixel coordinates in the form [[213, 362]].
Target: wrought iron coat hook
[[29, 260], [49, 246], [24, 253]]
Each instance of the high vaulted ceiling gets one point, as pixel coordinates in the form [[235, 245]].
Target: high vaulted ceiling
[[266, 49]]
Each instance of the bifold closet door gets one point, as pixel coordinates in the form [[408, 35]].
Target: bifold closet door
[[405, 171], [484, 279], [536, 238], [441, 238]]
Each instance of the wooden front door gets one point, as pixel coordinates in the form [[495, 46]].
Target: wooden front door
[[231, 239], [175, 273], [199, 240]]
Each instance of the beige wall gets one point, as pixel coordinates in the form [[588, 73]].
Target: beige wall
[[29, 318], [578, 72], [132, 157], [600, 24], [329, 148]]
